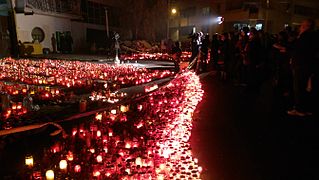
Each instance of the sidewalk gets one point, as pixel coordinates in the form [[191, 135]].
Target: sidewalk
[[77, 57], [238, 136], [169, 64]]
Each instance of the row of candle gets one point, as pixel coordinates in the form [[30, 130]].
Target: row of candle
[[185, 56], [51, 80], [144, 140], [14, 89], [73, 73]]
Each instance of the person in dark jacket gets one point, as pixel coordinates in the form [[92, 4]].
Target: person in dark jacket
[[177, 52], [204, 51], [253, 51], [303, 63], [283, 76], [214, 56]]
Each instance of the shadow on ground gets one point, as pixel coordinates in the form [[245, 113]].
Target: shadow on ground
[[239, 136]]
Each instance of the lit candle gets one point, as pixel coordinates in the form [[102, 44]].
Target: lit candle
[[63, 165], [96, 173], [29, 161], [49, 175], [113, 111], [19, 106], [69, 156], [14, 106], [124, 108], [128, 145], [110, 133], [138, 161], [77, 168], [98, 133], [98, 117], [99, 158]]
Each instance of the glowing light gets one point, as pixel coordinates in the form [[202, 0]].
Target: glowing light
[[98, 133], [49, 175], [128, 145], [98, 117], [139, 125], [63, 164], [69, 156], [138, 161], [96, 173], [161, 133], [124, 108], [113, 111], [151, 88], [29, 161], [174, 11], [99, 158], [77, 168], [200, 169], [110, 133]]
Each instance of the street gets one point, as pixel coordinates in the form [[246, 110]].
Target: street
[[240, 136]]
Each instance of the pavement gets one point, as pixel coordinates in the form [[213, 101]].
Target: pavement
[[95, 58], [79, 57], [242, 136]]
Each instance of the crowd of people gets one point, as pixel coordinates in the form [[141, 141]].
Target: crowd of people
[[249, 57]]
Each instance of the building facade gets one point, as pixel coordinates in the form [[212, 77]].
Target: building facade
[[193, 16], [92, 22], [269, 15], [87, 21]]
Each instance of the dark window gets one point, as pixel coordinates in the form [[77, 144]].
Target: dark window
[[186, 31], [189, 12], [57, 6], [306, 11], [206, 11], [95, 13], [233, 5]]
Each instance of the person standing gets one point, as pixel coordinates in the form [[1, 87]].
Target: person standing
[[177, 52], [282, 73], [68, 42], [63, 43], [303, 63], [254, 52], [204, 51], [194, 47], [53, 43], [214, 56]]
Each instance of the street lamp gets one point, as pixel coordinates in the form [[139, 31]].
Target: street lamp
[[173, 11]]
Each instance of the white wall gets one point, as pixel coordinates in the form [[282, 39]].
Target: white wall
[[49, 24]]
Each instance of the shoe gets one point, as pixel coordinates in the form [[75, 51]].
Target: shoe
[[294, 112]]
